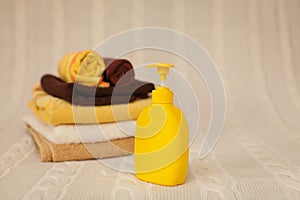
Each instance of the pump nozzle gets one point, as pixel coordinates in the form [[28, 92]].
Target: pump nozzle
[[162, 69], [162, 94]]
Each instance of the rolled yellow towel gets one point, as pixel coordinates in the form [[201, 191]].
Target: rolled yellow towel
[[85, 67]]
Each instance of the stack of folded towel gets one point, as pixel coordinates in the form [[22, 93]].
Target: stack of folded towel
[[74, 113]]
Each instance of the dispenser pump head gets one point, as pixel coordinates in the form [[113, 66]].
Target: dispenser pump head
[[162, 69], [162, 94]]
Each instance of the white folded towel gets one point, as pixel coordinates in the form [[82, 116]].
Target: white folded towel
[[66, 134]]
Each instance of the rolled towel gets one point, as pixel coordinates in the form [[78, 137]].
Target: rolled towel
[[85, 67], [117, 68]]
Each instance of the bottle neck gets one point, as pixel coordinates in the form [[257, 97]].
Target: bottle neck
[[162, 95]]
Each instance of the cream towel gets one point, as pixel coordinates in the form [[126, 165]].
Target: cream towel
[[66, 134]]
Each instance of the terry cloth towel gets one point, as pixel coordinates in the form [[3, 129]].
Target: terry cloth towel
[[66, 134], [51, 152], [55, 111], [85, 67], [118, 71], [89, 96]]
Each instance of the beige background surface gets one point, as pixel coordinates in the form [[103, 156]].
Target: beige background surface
[[256, 46]]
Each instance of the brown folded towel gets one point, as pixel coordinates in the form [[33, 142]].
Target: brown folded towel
[[50, 152], [94, 96], [117, 68]]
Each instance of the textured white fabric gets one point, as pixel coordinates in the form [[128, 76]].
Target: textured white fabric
[[256, 46], [66, 134]]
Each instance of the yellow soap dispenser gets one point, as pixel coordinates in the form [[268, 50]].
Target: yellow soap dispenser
[[161, 148]]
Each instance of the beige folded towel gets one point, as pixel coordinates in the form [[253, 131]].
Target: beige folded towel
[[51, 152]]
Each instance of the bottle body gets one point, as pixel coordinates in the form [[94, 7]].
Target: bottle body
[[161, 148]]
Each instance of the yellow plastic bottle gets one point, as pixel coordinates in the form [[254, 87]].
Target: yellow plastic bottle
[[161, 148]]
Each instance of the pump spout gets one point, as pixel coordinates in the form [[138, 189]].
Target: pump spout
[[162, 70]]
